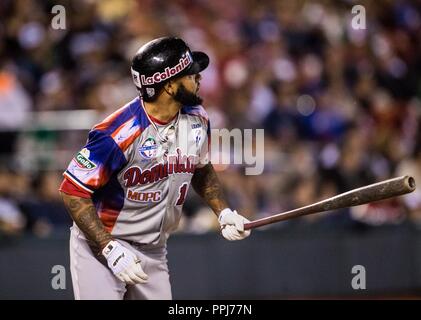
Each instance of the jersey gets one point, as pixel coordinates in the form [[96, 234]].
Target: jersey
[[138, 172]]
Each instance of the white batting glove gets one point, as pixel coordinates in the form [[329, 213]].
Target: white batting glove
[[232, 225], [123, 263]]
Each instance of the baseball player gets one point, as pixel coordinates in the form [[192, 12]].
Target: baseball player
[[126, 187]]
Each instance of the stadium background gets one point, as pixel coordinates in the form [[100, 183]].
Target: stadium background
[[340, 108]]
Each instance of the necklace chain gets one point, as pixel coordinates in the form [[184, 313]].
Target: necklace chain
[[161, 138]]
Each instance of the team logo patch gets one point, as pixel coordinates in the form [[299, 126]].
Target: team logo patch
[[82, 160], [149, 148]]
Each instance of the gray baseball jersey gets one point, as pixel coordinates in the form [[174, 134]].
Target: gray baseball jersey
[[139, 171]]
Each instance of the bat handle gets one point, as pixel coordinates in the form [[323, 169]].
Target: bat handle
[[254, 224]]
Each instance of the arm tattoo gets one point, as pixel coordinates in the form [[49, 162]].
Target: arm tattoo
[[205, 182], [84, 214]]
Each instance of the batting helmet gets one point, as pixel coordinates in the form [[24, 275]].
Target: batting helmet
[[163, 59]]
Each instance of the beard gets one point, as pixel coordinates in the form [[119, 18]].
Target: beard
[[187, 98]]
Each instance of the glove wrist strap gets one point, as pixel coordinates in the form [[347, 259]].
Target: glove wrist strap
[[223, 213], [109, 248]]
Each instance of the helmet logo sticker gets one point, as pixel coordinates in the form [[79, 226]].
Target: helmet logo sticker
[[136, 78], [150, 91], [168, 72]]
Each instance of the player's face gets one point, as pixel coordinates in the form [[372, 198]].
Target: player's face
[[187, 91], [192, 82]]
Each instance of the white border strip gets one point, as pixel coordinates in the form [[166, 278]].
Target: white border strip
[[68, 176]]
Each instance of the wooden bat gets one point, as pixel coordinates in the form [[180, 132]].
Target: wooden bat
[[373, 192]]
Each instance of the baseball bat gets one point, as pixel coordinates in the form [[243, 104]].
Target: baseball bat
[[373, 192]]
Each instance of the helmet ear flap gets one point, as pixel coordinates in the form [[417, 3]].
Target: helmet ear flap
[[150, 94]]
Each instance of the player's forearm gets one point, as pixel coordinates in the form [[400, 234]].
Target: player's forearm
[[84, 214], [206, 183]]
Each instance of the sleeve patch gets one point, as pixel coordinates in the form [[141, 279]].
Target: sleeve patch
[[82, 160]]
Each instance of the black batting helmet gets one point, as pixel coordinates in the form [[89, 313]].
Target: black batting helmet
[[163, 59]]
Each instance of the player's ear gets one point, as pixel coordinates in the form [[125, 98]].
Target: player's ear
[[170, 88]]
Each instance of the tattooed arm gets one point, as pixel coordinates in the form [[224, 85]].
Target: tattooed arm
[[83, 212], [123, 263], [206, 184]]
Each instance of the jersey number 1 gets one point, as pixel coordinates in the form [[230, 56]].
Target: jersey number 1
[[182, 191]]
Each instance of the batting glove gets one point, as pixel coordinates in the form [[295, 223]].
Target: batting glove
[[232, 225], [123, 263]]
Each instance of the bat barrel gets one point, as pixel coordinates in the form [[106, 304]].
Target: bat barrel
[[374, 192]]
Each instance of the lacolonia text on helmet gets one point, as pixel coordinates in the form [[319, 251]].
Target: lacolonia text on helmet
[[168, 72]]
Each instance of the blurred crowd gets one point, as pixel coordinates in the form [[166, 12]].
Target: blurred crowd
[[340, 106]]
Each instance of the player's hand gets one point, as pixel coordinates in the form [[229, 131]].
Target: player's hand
[[123, 263], [232, 225]]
